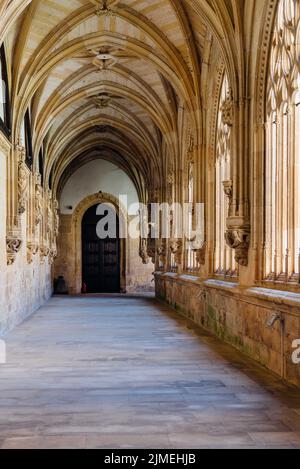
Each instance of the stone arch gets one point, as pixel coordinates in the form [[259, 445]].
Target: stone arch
[[77, 217]]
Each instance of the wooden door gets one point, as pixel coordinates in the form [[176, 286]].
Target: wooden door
[[100, 257]]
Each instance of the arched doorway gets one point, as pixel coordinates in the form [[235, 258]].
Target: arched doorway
[[100, 257]]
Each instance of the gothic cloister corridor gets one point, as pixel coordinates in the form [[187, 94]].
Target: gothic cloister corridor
[[128, 372]]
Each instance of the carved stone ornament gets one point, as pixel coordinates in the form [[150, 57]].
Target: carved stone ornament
[[49, 213], [13, 246], [151, 250], [144, 255], [4, 144], [171, 178], [238, 238], [52, 255], [228, 188], [162, 253], [176, 249], [200, 250], [56, 217], [227, 110], [44, 252], [32, 250], [22, 180], [104, 8], [38, 204]]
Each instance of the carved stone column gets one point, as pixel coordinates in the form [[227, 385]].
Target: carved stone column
[[22, 179], [38, 202], [56, 218], [49, 213]]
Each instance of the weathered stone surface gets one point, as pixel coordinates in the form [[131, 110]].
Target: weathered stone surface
[[239, 316]]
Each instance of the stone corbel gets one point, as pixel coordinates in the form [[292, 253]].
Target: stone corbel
[[237, 237], [162, 253], [151, 250], [13, 246], [228, 188], [32, 250], [176, 249]]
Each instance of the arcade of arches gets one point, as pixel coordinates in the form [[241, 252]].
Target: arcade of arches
[[180, 101]]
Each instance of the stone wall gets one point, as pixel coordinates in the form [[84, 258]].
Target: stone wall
[[239, 316], [24, 287]]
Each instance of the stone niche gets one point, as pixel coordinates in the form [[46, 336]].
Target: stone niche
[[240, 316]]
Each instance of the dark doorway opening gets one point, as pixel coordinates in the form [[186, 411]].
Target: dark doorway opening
[[100, 257]]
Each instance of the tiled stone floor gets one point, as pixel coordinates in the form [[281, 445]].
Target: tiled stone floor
[[127, 372]]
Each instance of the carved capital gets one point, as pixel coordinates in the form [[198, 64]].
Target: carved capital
[[237, 237], [13, 246]]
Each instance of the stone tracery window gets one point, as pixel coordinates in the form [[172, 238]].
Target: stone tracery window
[[282, 184], [224, 256], [26, 138]]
